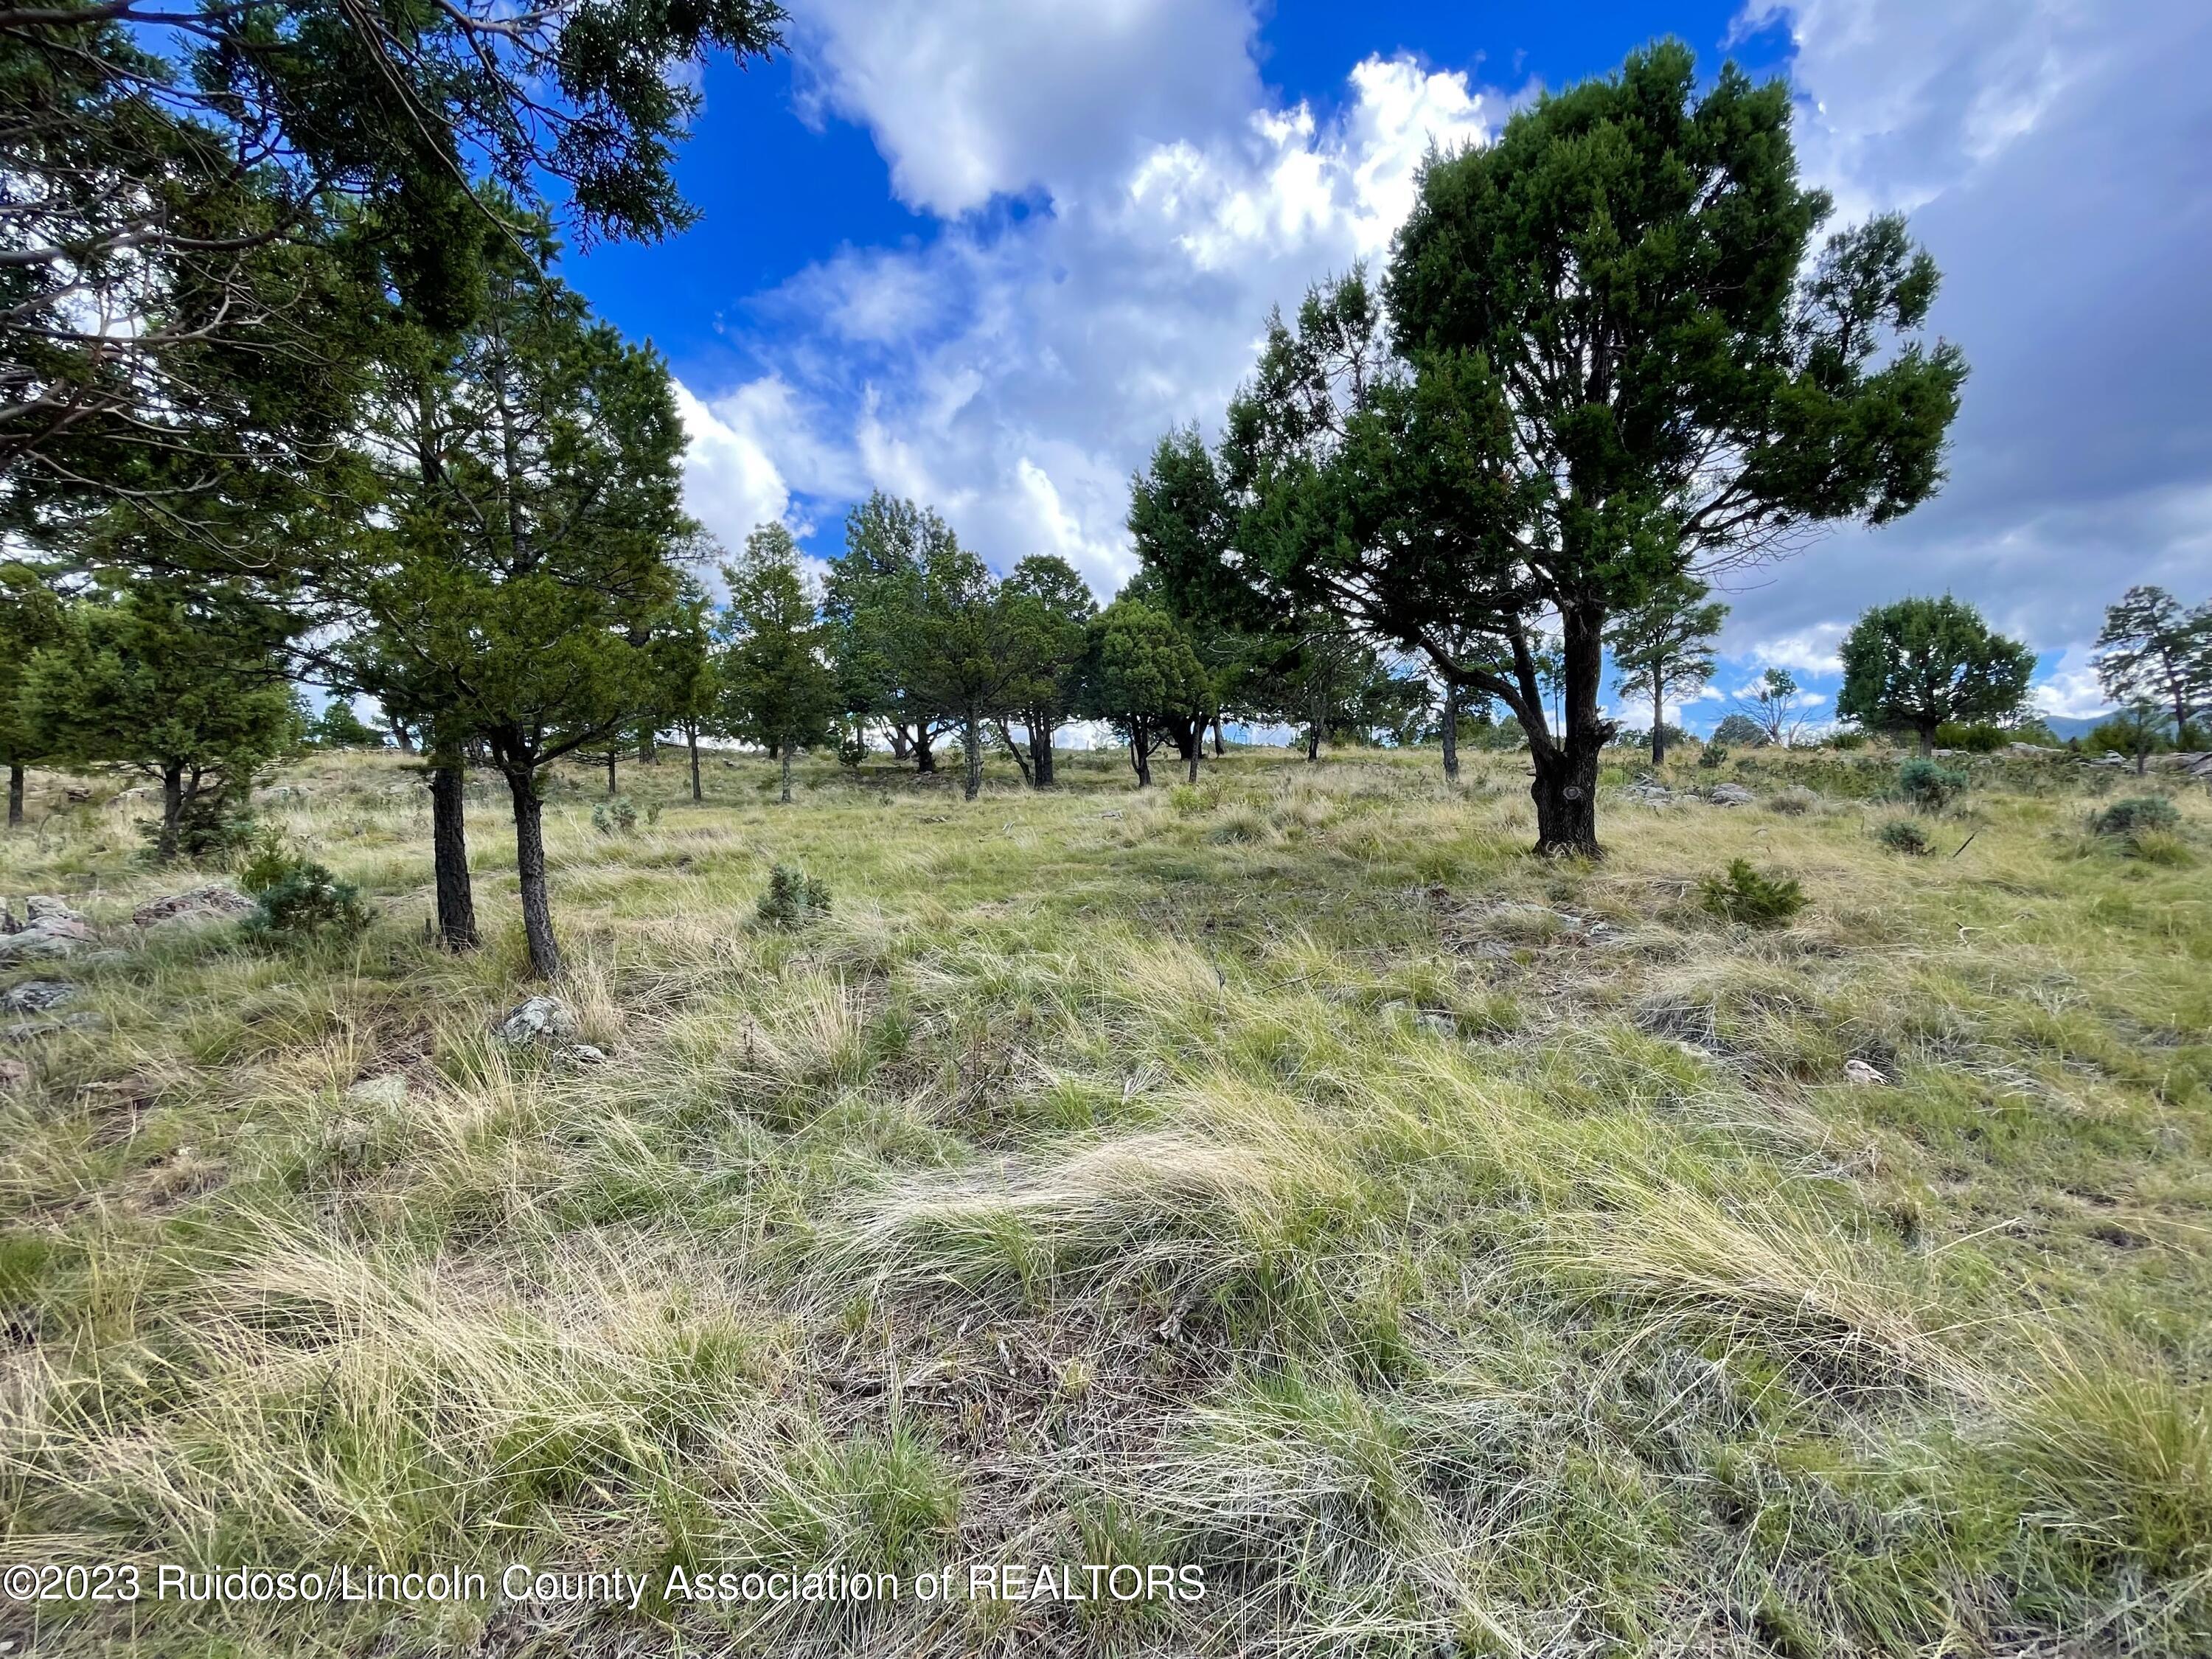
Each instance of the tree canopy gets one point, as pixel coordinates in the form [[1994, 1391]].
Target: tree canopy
[[1914, 665]]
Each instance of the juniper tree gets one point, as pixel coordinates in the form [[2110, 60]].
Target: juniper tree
[[1048, 613], [868, 600], [1663, 648], [519, 594], [1146, 681], [776, 684], [2151, 649], [1918, 663], [1607, 361], [185, 686], [965, 649]]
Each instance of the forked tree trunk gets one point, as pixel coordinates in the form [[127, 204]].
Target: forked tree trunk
[[785, 760], [449, 861], [1140, 755], [1029, 773], [1451, 731], [1041, 736], [14, 795], [925, 757], [692, 742], [902, 745], [530, 869]]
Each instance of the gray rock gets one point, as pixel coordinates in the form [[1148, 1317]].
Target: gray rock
[[218, 901], [53, 930], [385, 1091], [539, 1019], [585, 1054], [35, 996], [1730, 794], [23, 1030]]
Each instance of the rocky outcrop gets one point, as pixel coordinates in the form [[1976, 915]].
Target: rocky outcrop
[[218, 901], [51, 929]]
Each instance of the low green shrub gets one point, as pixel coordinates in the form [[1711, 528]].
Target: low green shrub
[[2132, 815], [1903, 835], [615, 817], [794, 898], [1716, 755], [1929, 784], [297, 900], [1758, 901]]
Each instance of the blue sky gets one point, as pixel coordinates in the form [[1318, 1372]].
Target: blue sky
[[981, 251]]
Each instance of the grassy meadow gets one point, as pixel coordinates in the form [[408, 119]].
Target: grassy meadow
[[1448, 1251]]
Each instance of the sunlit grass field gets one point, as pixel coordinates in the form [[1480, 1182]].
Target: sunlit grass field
[[1448, 1251]]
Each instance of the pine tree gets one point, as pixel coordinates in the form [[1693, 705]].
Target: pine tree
[[1915, 664], [1663, 648]]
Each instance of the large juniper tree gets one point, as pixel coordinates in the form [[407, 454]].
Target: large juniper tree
[[1917, 664], [521, 589], [1608, 361], [1048, 612]]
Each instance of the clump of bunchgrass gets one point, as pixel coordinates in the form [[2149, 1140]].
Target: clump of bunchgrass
[[1745, 895], [1794, 802]]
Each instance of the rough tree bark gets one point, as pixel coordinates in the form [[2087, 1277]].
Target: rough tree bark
[[530, 868], [1564, 789], [449, 861], [1658, 722], [1140, 753], [1220, 744], [1451, 731], [173, 807], [971, 737], [785, 760], [691, 742], [610, 774], [925, 757]]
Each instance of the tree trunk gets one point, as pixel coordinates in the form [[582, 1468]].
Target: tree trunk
[[1564, 787], [1451, 731], [649, 747], [1220, 744], [1317, 715], [14, 795], [1565, 794], [1029, 773], [902, 745], [1041, 736], [971, 735], [172, 808], [1140, 755], [692, 742], [530, 867], [404, 738], [449, 861], [1196, 749], [1927, 739], [785, 760], [925, 758], [610, 774], [1658, 725]]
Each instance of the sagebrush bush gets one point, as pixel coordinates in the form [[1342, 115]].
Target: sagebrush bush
[[2133, 815], [1903, 835], [1927, 784], [794, 898], [1758, 901]]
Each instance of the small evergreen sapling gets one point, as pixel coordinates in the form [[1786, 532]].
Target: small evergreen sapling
[[1757, 900]]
